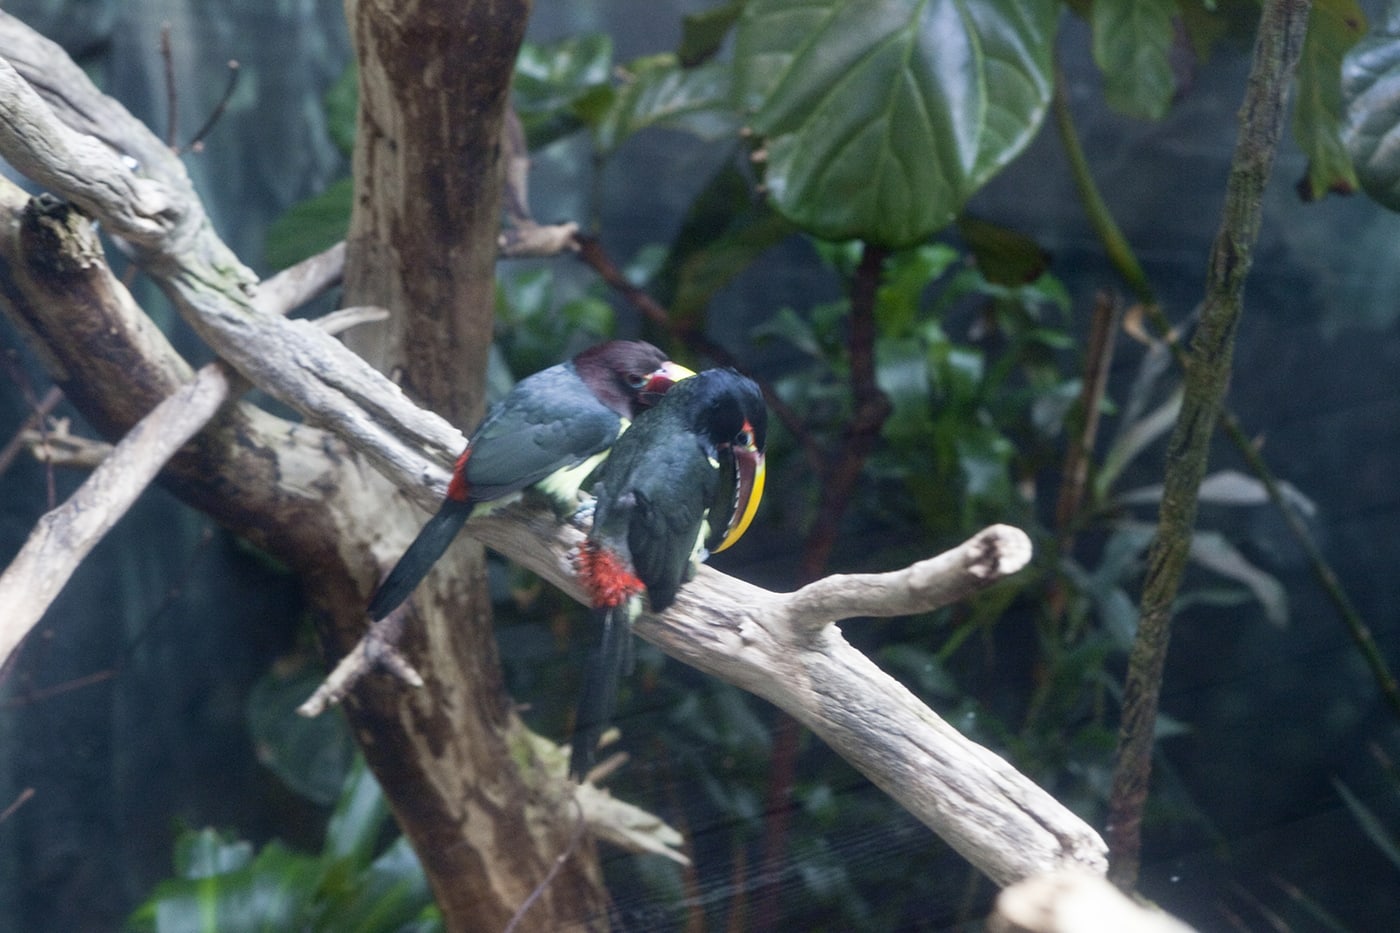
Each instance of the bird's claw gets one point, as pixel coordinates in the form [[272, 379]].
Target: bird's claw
[[582, 517]]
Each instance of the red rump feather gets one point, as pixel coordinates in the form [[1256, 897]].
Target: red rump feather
[[604, 577], [457, 487]]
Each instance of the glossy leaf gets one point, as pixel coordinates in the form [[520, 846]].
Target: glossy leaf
[[359, 817], [899, 303], [208, 852], [879, 121], [1132, 47], [342, 109], [1375, 828], [1228, 487], [308, 227], [223, 887], [1005, 256], [310, 755], [559, 85], [1212, 551], [658, 91], [703, 32], [270, 893], [1371, 135], [901, 371], [724, 232], [1334, 26]]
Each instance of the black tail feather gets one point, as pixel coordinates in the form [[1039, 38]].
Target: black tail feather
[[599, 699], [415, 563]]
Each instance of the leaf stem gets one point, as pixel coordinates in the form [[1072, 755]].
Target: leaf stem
[[1282, 28], [1121, 254]]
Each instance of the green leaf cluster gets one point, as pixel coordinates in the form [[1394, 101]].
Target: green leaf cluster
[[223, 885]]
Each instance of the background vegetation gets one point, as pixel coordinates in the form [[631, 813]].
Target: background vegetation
[[967, 298]]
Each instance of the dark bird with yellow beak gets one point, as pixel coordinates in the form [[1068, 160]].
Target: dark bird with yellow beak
[[684, 480]]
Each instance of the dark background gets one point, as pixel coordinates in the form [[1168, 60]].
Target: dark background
[[126, 712]]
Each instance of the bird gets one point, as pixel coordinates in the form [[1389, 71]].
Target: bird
[[547, 433], [684, 481]]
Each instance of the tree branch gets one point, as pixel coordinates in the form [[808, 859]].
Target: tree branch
[[769, 644], [68, 534], [764, 642], [1278, 47], [158, 213], [63, 243]]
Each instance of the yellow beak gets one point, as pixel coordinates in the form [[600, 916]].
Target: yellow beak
[[752, 472]]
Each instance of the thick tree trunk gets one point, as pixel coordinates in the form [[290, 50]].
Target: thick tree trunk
[[434, 86], [488, 820], [453, 760]]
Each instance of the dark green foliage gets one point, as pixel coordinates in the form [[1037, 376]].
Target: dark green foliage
[[222, 885], [857, 132]]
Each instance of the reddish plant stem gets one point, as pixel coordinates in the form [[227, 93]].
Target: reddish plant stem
[[869, 410], [838, 473], [591, 251]]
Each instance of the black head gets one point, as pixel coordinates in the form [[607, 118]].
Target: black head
[[627, 375], [728, 411]]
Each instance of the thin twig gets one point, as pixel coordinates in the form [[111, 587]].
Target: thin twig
[[167, 58], [65, 535], [26, 389], [590, 250], [1098, 358], [1351, 617], [575, 838], [196, 143], [18, 802], [1281, 30], [1115, 244], [376, 650], [869, 410], [34, 422], [67, 686]]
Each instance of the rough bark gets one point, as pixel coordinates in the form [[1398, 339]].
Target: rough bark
[[449, 757], [487, 811], [434, 79]]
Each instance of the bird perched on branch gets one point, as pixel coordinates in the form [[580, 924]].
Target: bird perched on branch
[[549, 432], [685, 479]]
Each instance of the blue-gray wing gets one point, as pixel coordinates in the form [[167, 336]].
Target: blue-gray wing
[[548, 422]]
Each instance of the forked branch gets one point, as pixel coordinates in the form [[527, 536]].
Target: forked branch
[[779, 646]]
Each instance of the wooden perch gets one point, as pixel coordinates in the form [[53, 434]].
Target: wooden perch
[[780, 646], [1075, 902], [67, 534]]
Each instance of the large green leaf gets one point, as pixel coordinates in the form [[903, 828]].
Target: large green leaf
[[881, 120], [1334, 26], [1132, 47], [559, 86], [1371, 89], [658, 91], [704, 32], [725, 230], [221, 886], [310, 754]]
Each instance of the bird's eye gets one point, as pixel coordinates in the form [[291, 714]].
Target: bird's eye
[[637, 380], [744, 438]]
